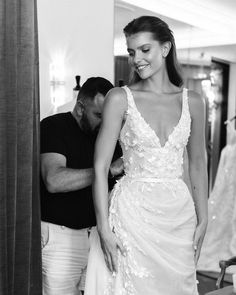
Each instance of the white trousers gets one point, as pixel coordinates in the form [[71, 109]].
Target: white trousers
[[64, 259]]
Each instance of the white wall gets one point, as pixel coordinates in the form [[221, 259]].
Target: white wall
[[232, 91], [82, 30]]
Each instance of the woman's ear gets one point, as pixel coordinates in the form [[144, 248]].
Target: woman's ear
[[166, 46]]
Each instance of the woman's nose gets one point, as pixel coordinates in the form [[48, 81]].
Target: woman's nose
[[137, 59]]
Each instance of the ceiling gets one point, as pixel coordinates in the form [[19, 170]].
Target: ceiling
[[203, 29]]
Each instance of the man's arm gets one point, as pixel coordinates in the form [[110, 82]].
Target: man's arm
[[60, 179]]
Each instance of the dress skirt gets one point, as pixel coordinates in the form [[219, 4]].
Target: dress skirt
[[155, 220]]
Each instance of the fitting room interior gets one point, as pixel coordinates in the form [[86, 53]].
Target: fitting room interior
[[85, 38], [76, 39]]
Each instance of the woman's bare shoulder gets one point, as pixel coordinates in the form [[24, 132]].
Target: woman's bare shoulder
[[196, 103], [117, 93], [117, 97]]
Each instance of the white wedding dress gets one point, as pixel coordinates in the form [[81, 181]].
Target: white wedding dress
[[153, 215], [220, 239]]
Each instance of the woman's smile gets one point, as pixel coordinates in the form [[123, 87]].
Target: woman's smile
[[141, 67]]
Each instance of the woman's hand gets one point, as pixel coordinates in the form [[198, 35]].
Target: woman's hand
[[110, 246], [198, 239]]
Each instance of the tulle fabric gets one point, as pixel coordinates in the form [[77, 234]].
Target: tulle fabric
[[220, 239], [151, 212], [158, 235]]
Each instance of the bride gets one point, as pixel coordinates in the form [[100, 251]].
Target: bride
[[151, 228]]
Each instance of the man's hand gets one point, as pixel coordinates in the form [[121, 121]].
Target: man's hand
[[117, 167]]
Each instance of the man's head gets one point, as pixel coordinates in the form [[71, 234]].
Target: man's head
[[89, 103]]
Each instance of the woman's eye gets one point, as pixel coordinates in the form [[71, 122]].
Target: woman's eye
[[131, 54], [145, 50]]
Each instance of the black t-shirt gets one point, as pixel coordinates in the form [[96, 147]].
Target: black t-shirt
[[61, 134]]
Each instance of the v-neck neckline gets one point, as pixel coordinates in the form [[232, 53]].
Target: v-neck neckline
[[148, 125]]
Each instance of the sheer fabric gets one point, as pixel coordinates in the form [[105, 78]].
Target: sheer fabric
[[220, 239], [152, 213]]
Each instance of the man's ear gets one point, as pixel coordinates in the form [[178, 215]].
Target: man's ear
[[79, 108], [166, 46]]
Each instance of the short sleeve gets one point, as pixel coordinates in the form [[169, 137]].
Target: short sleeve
[[51, 136]]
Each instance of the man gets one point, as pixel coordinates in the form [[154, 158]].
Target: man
[[67, 148]]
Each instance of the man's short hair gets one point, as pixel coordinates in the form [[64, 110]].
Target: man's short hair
[[93, 86]]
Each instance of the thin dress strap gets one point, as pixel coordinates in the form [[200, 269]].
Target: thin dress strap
[[130, 98], [185, 101]]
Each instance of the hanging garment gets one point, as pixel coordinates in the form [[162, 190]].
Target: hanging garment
[[220, 239]]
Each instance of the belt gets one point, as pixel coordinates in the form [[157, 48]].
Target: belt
[[154, 179]]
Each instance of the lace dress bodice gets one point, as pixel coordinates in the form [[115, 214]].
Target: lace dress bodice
[[143, 154]]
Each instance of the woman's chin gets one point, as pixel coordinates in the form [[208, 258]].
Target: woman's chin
[[141, 74], [144, 76]]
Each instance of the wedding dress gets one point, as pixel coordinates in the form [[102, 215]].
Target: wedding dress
[[220, 238], [152, 213]]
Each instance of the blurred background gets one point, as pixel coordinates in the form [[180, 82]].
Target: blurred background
[[85, 38]]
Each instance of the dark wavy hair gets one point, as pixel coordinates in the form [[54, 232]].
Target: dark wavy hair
[[93, 86], [162, 33]]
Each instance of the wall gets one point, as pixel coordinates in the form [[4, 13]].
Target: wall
[[82, 32], [232, 91]]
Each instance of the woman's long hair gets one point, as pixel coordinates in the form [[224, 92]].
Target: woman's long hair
[[162, 33]]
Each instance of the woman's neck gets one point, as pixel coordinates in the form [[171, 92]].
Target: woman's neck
[[159, 83]]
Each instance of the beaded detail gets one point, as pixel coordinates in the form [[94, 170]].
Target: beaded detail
[[146, 162], [142, 150]]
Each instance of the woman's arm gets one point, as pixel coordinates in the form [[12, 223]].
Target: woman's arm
[[198, 167], [114, 109]]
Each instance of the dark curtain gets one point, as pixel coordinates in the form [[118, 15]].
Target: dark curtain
[[20, 250]]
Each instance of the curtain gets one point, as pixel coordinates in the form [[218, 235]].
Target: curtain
[[20, 250]]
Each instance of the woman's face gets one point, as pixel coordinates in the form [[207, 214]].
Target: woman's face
[[145, 54]]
